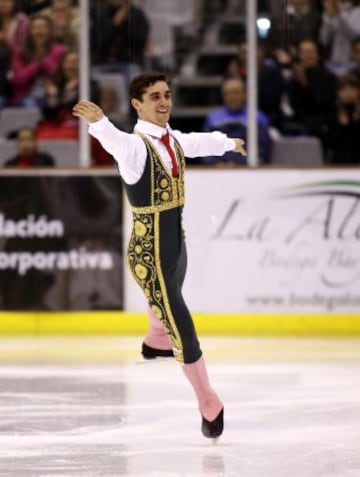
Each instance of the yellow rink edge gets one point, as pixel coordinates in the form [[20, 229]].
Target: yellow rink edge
[[127, 323]]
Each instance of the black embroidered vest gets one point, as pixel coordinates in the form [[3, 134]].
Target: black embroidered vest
[[157, 190]]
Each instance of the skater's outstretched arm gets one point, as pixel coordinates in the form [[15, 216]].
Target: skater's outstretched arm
[[128, 150], [202, 144]]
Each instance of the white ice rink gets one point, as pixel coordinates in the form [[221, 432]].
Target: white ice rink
[[82, 407]]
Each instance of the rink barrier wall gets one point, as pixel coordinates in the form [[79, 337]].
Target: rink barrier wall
[[125, 323], [268, 242]]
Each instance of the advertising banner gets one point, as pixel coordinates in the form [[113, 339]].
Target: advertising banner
[[271, 241], [61, 242]]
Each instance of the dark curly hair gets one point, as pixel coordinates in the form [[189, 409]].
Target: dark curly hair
[[140, 83]]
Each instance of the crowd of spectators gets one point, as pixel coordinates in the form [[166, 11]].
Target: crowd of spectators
[[39, 60], [308, 69], [308, 77], [232, 120]]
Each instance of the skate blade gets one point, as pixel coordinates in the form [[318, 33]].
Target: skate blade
[[160, 359]]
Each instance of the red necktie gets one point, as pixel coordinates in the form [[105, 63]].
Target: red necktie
[[166, 141]]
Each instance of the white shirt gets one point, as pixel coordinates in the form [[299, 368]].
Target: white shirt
[[130, 153]]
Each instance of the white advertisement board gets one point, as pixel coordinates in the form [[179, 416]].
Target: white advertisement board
[[283, 241]]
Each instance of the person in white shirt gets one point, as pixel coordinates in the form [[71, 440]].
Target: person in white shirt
[[339, 27], [151, 163]]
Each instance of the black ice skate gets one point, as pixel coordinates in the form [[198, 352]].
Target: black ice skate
[[213, 429], [152, 353]]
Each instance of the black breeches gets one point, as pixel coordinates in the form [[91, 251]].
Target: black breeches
[[157, 260]]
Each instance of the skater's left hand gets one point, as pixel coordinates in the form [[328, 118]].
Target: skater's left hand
[[240, 146]]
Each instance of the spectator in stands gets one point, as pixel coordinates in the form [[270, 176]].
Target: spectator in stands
[[232, 120], [62, 93], [275, 6], [39, 60], [27, 152], [270, 81], [312, 91], [355, 56], [300, 22], [66, 21], [14, 25], [345, 129], [120, 47], [5, 67], [340, 26]]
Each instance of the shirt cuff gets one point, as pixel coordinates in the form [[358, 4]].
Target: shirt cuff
[[230, 144], [99, 125]]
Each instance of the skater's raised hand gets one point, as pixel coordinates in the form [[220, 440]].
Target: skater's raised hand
[[88, 111], [240, 146]]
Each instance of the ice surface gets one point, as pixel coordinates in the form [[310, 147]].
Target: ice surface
[[291, 409]]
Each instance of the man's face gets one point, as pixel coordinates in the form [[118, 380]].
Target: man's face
[[233, 93], [308, 54], [26, 143], [348, 94], [156, 104]]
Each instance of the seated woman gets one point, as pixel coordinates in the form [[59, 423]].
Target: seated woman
[[340, 25], [36, 63], [61, 95]]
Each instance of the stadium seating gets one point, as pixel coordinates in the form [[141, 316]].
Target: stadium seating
[[12, 119], [198, 91], [7, 150], [297, 151], [65, 152]]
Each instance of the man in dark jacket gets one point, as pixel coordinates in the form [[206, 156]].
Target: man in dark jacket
[[119, 35], [312, 91], [345, 127], [27, 153], [271, 84]]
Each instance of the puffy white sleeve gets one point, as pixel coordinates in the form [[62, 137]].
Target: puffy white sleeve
[[204, 144], [128, 150]]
